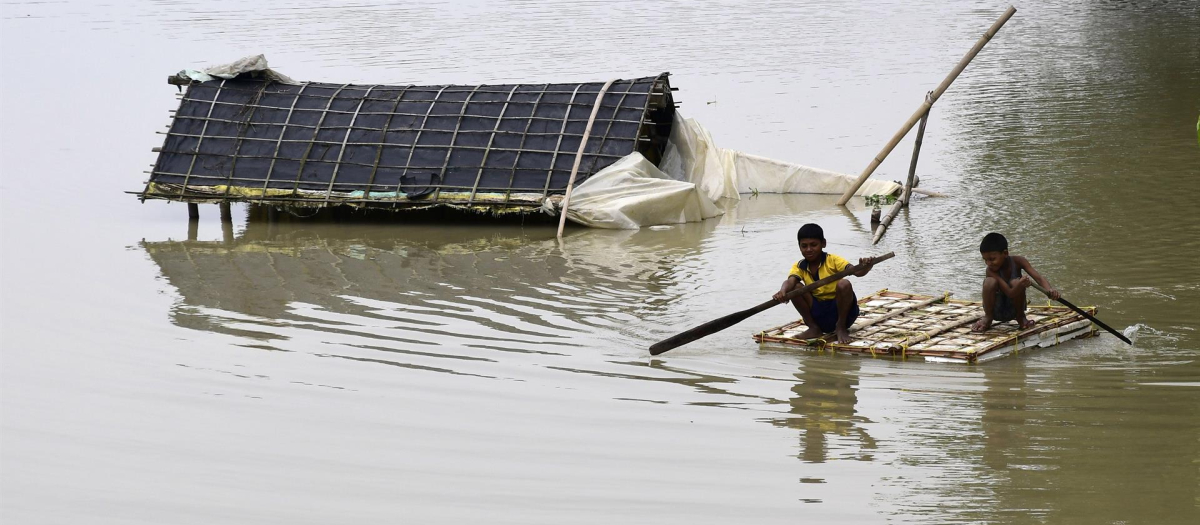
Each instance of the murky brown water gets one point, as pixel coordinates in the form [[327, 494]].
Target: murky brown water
[[326, 372]]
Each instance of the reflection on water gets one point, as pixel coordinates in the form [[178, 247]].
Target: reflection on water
[[476, 290], [824, 410], [512, 304]]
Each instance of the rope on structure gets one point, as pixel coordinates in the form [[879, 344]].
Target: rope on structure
[[562, 219]]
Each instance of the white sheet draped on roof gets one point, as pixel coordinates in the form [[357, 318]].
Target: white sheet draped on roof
[[694, 174]]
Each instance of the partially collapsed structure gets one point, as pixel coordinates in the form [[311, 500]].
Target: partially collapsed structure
[[244, 133]]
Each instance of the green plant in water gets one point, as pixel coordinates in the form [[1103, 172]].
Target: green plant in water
[[875, 201]]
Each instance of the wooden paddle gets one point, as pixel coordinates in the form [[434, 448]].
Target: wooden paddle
[[717, 325], [1081, 312]]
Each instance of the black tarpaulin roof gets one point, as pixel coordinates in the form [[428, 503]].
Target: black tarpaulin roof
[[245, 139]]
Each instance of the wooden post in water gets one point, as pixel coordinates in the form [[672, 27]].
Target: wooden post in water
[[912, 166], [924, 107], [227, 232], [908, 185], [193, 211], [226, 213]]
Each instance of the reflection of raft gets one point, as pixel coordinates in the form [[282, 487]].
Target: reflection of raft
[[937, 328]]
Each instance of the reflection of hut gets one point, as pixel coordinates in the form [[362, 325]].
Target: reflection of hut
[[270, 268], [498, 148]]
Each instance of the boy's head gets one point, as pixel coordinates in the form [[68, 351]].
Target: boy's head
[[994, 250], [812, 240]]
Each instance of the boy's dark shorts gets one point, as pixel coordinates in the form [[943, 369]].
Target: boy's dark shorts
[[1004, 310], [825, 314]]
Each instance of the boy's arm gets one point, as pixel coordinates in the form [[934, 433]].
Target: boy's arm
[[788, 285], [1006, 288], [1030, 272]]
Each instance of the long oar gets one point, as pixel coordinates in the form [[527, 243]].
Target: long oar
[[1089, 317], [717, 325]]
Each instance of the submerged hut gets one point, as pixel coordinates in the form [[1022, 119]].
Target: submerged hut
[[499, 148], [245, 133]]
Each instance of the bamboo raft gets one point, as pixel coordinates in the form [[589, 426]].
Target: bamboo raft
[[936, 328]]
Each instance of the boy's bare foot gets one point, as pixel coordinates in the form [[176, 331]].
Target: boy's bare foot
[[982, 325], [810, 333], [843, 335], [1026, 323]]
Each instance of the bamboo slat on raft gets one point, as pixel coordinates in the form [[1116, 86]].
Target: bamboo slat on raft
[[935, 328]]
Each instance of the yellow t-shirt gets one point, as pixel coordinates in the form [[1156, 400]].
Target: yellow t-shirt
[[829, 265]]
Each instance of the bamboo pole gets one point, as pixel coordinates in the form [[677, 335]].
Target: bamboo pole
[[928, 193], [562, 219], [937, 93], [908, 185], [887, 219], [912, 166]]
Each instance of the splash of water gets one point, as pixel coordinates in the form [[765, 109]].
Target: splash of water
[[1132, 332]]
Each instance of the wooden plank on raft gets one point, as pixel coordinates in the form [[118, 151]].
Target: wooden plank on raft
[[858, 327]]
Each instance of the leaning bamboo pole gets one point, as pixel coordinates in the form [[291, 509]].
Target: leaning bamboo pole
[[908, 185], [916, 116], [887, 221], [587, 132], [912, 166]]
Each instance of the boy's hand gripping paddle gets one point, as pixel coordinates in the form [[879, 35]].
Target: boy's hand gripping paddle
[[717, 325]]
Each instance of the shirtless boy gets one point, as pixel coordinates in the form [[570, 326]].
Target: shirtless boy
[[1004, 286]]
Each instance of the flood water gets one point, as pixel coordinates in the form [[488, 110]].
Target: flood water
[[303, 372]]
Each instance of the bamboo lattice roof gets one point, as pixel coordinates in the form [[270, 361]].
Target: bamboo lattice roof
[[246, 139]]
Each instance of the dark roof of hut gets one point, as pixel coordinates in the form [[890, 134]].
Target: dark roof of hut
[[246, 139]]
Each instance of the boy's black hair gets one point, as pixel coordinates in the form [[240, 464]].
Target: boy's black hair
[[993, 242], [810, 231]]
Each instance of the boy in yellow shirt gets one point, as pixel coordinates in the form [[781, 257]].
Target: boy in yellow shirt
[[831, 307]]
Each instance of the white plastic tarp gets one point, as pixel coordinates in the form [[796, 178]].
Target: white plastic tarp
[[724, 173], [242, 65], [632, 192]]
